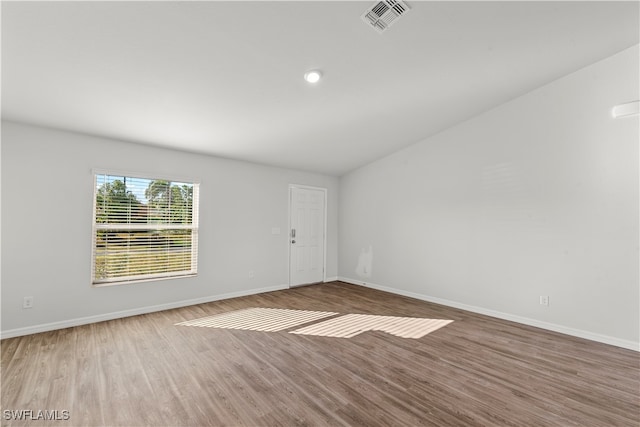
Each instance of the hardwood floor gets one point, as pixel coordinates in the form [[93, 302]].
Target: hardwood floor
[[477, 370]]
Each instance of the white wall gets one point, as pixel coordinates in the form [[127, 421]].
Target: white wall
[[47, 191], [536, 197]]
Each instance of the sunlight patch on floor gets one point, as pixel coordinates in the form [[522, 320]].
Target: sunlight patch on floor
[[259, 319], [350, 325], [344, 326]]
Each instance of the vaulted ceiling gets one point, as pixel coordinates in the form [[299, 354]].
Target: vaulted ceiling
[[226, 78]]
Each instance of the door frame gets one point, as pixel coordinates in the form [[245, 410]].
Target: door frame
[[324, 231]]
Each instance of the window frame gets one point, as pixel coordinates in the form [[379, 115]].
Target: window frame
[[151, 277]]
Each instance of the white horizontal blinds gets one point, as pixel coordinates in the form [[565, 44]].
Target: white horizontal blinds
[[144, 229]]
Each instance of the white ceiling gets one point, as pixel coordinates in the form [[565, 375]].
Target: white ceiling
[[225, 78]]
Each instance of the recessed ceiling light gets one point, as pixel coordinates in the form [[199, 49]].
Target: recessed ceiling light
[[313, 76]]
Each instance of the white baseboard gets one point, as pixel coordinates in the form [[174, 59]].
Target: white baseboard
[[631, 345], [132, 312], [331, 279]]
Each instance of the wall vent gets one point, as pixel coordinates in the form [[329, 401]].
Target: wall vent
[[384, 14]]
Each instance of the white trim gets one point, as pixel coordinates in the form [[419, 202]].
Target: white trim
[[93, 230], [129, 280], [145, 175], [324, 232], [631, 345], [331, 279], [45, 327]]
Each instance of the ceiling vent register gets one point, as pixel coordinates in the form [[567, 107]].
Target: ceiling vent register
[[384, 14]]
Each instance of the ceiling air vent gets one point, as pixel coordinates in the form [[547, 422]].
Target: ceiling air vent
[[383, 14]]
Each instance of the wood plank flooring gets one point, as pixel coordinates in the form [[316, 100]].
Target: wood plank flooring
[[476, 371]]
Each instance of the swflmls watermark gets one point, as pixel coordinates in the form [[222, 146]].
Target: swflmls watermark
[[36, 415]]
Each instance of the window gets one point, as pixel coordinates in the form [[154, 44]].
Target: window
[[143, 229]]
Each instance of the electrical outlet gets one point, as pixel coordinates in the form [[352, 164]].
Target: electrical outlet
[[27, 302], [251, 274], [544, 300]]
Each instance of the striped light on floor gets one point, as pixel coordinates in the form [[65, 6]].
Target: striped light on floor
[[350, 325], [346, 326], [259, 319]]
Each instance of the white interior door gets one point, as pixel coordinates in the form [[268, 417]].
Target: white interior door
[[306, 235]]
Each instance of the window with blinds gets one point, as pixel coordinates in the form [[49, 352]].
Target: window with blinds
[[143, 229]]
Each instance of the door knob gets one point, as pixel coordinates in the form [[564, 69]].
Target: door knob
[[293, 241]]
